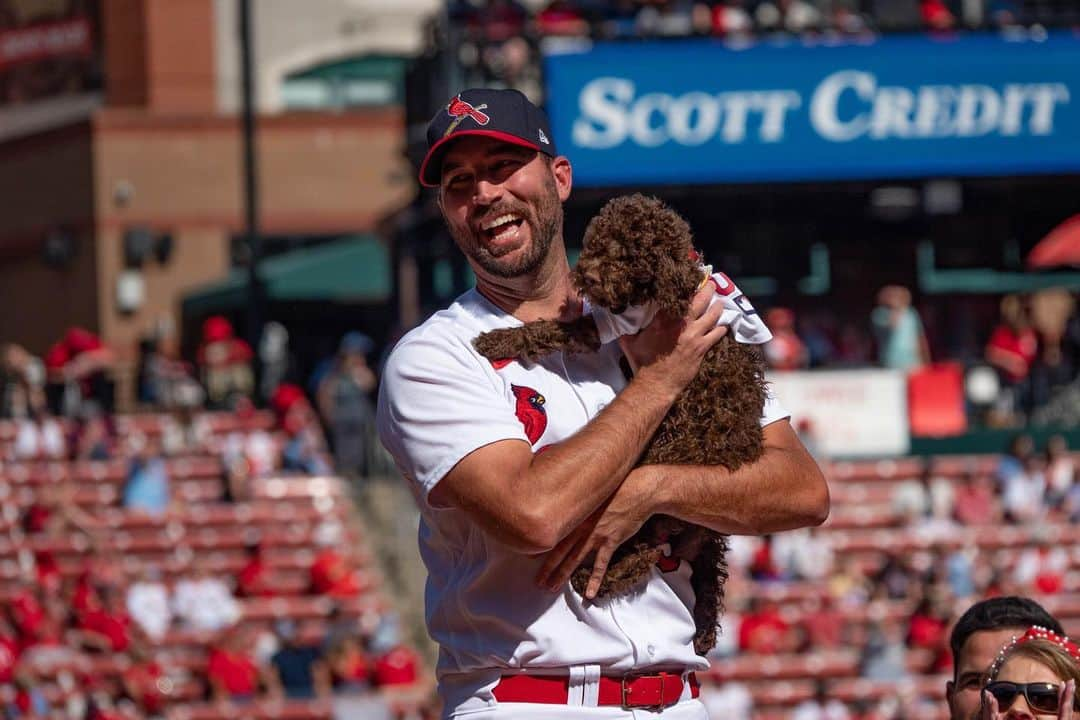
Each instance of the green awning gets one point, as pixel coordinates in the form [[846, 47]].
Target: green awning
[[353, 270]]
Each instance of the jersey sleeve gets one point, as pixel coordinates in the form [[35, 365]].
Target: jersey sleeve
[[749, 328], [437, 404], [773, 409], [739, 313]]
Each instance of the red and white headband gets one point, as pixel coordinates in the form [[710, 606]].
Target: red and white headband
[[1036, 632]]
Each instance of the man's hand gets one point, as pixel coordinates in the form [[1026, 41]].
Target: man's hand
[[671, 349], [606, 529]]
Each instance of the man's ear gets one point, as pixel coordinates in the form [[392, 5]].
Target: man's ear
[[564, 176]]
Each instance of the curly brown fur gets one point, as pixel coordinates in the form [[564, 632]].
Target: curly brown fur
[[638, 251], [534, 340]]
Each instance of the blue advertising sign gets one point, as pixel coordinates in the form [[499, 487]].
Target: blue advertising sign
[[701, 111]]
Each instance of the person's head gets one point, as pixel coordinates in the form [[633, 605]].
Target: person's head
[[286, 631], [1021, 446], [895, 297], [976, 639], [1027, 677], [1014, 312], [216, 328], [500, 183], [353, 350], [1057, 446], [14, 357], [780, 319]]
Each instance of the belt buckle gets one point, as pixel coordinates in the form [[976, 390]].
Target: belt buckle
[[626, 703]]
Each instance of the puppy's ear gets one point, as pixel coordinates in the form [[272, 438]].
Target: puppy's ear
[[677, 281]]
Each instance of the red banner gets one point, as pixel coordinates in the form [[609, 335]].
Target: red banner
[[67, 38]]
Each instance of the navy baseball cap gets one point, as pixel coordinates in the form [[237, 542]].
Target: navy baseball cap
[[505, 115]]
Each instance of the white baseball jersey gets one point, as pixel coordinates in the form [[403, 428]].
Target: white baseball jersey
[[439, 401]]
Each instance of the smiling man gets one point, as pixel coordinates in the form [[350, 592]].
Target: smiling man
[[524, 470], [980, 633]]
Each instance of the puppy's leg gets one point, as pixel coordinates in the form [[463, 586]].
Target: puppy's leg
[[534, 340], [709, 569], [625, 571]]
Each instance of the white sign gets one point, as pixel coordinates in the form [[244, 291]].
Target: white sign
[[853, 413]]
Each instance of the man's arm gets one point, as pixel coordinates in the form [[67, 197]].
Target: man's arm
[[531, 502], [782, 490]]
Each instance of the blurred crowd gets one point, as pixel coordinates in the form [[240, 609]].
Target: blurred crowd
[[61, 625], [63, 402], [500, 39], [87, 647], [794, 593], [1026, 370]]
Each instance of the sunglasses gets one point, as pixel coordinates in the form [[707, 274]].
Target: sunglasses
[[1042, 697]]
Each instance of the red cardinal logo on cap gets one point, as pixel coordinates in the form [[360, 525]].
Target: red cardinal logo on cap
[[460, 109], [530, 411]]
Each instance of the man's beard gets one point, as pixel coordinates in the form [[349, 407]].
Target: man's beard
[[543, 225]]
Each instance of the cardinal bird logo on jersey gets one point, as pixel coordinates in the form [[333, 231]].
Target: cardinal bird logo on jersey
[[530, 411]]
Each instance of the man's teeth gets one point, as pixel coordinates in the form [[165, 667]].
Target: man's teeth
[[504, 231], [496, 222]]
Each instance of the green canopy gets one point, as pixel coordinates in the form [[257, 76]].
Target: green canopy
[[353, 270]]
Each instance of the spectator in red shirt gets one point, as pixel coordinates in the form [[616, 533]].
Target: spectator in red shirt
[[26, 610], [1013, 346], [763, 565], [10, 648], [763, 629], [936, 15], [108, 628], [926, 628], [142, 681], [231, 670], [254, 579], [47, 571], [84, 595], [396, 667], [561, 17], [332, 575], [224, 363], [82, 361]]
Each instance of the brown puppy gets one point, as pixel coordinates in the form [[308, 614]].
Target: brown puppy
[[637, 251]]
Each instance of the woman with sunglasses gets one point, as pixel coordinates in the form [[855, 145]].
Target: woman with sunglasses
[[1033, 677]]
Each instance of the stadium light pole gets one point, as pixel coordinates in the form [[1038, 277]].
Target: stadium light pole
[[252, 238]]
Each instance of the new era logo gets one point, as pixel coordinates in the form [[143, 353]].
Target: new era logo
[[543, 138]]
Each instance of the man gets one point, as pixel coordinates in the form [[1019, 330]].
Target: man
[[524, 471], [978, 636]]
